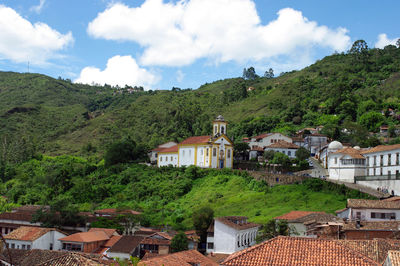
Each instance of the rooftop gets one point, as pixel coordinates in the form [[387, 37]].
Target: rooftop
[[298, 251], [351, 152], [372, 204], [86, 237], [293, 215], [28, 233], [381, 148], [196, 140], [170, 149], [283, 144], [394, 256], [184, 258], [109, 232], [126, 244], [236, 222]]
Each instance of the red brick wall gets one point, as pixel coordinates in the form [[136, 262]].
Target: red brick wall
[[90, 247], [361, 234]]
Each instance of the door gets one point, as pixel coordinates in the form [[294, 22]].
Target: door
[[221, 163]]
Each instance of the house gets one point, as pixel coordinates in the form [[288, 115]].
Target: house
[[284, 250], [153, 154], [370, 210], [299, 141], [126, 247], [87, 242], [315, 142], [231, 234], [27, 237], [307, 223], [284, 147], [214, 151], [346, 164], [371, 230], [256, 152], [267, 139], [20, 216], [158, 243], [184, 258], [383, 160]]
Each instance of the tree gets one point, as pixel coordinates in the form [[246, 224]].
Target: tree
[[398, 43], [359, 47], [269, 154], [179, 242], [241, 149], [202, 219], [272, 229], [120, 152], [371, 120], [282, 159], [250, 73], [302, 154], [269, 74]]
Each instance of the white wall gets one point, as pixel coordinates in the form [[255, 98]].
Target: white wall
[[268, 140], [366, 214], [389, 184], [284, 151], [42, 242], [118, 255], [166, 159], [186, 155]]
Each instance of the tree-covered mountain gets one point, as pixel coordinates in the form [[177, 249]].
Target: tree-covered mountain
[[39, 114]]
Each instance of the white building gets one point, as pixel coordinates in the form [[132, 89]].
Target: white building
[[371, 210], [267, 139], [230, 234], [26, 237], [284, 147], [346, 164], [204, 151], [154, 152], [315, 142], [334, 146], [383, 161]]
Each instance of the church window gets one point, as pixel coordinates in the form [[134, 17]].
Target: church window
[[207, 152], [166, 158], [171, 158], [229, 153], [215, 129], [214, 152], [201, 152], [222, 130], [335, 160], [160, 158]]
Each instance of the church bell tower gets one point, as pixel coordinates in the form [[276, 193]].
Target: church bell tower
[[219, 126]]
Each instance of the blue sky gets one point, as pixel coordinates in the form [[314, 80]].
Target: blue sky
[[160, 44]]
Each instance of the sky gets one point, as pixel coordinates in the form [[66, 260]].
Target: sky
[[163, 44]]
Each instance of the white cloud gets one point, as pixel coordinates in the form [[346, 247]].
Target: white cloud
[[179, 75], [383, 41], [177, 34], [39, 7], [22, 41], [121, 71]]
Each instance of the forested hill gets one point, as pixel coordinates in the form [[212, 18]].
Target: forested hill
[[39, 114]]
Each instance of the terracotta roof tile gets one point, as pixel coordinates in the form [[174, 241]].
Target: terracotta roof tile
[[236, 222], [196, 140], [372, 204], [86, 237], [293, 215], [351, 152], [23, 257], [126, 244], [394, 257], [382, 148], [73, 259], [298, 251], [28, 233], [373, 226], [170, 149], [184, 258], [376, 249], [109, 232], [111, 242], [256, 148], [283, 144]]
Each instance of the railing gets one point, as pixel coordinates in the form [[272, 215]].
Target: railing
[[377, 177]]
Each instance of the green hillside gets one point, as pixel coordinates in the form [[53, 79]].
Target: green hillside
[[45, 115]]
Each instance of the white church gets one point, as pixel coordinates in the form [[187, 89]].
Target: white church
[[214, 151]]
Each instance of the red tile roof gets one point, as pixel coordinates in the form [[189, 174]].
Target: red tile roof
[[236, 222], [86, 237], [111, 242], [256, 148], [372, 204], [73, 259], [170, 149], [298, 251], [351, 152], [293, 215], [196, 140], [283, 144], [184, 258], [382, 148], [109, 232], [394, 257], [28, 233], [126, 244]]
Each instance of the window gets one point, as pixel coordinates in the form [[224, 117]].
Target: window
[[289, 153], [381, 160], [222, 130], [190, 153], [23, 247], [160, 158], [210, 234], [51, 246], [397, 174], [207, 152], [210, 245], [172, 158], [201, 152], [389, 174], [389, 159], [215, 129], [229, 153], [383, 215], [381, 171], [28, 247], [12, 245], [367, 161], [397, 158], [374, 160], [358, 215], [374, 171], [166, 158], [214, 152], [72, 247], [335, 160]]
